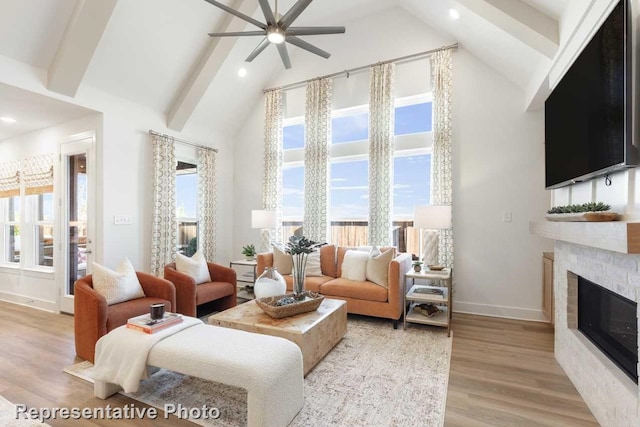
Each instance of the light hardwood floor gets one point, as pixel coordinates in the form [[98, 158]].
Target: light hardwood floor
[[502, 373]]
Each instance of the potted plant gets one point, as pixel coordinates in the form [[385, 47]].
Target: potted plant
[[249, 251], [417, 266], [584, 212], [299, 247]]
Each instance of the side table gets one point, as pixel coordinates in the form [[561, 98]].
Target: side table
[[439, 295], [247, 275]]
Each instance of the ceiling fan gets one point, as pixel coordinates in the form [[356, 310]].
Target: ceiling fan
[[278, 29]]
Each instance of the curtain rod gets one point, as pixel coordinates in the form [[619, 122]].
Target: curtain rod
[[153, 132], [406, 58]]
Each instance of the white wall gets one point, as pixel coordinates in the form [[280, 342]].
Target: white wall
[[35, 286], [124, 172], [498, 168], [498, 165]]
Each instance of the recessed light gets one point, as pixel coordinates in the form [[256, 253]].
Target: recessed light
[[454, 14], [7, 119], [242, 72]]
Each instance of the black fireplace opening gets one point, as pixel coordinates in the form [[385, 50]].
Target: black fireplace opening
[[610, 321]]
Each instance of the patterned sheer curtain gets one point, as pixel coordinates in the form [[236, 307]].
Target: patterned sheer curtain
[[317, 123], [272, 179], [38, 174], [207, 203], [163, 233], [441, 158], [381, 141], [10, 178]]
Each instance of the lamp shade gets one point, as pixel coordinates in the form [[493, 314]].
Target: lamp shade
[[432, 217], [264, 219]]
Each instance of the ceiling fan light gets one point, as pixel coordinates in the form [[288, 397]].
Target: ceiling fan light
[[275, 35]]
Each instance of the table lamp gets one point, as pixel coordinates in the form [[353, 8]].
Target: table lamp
[[431, 218], [265, 221]]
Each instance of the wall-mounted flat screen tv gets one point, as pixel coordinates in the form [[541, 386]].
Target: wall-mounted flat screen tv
[[588, 115]]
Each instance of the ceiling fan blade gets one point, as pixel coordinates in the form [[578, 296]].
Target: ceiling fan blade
[[258, 50], [238, 14], [284, 55], [268, 13], [307, 46], [310, 31], [238, 33], [293, 13]]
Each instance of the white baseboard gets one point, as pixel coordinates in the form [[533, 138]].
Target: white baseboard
[[499, 311], [39, 304]]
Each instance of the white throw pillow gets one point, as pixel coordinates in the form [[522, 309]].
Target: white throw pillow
[[377, 270], [373, 250], [282, 261], [354, 265], [195, 267], [119, 285], [313, 265]]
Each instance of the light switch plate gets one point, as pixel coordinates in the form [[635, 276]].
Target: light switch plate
[[122, 220]]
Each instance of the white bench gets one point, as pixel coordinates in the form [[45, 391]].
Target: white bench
[[269, 368]]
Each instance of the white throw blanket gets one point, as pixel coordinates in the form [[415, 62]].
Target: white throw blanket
[[121, 355]]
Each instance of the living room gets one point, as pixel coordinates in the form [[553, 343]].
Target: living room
[[143, 66]]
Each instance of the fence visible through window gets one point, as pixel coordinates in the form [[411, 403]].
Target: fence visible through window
[[355, 233]]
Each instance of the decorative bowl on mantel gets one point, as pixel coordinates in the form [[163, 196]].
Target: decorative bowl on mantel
[[583, 217]]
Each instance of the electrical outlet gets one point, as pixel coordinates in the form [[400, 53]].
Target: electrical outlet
[[506, 216], [122, 220]]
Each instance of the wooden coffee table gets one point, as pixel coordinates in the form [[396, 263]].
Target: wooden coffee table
[[315, 332]]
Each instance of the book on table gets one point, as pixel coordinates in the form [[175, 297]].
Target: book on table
[[144, 323]]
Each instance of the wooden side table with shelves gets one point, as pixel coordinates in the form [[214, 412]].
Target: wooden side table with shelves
[[438, 294], [246, 277]]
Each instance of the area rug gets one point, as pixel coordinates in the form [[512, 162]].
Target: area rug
[[375, 376], [8, 416]]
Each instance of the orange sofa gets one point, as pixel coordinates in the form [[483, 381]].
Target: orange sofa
[[366, 297], [93, 318]]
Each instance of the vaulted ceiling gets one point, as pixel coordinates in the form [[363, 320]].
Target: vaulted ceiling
[[157, 53]]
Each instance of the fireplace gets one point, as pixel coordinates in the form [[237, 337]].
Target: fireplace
[[610, 322]]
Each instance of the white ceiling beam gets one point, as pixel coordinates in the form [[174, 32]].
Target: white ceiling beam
[[208, 65], [524, 22], [79, 42]]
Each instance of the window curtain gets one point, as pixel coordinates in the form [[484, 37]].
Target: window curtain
[[381, 141], [207, 203], [317, 124], [163, 233], [272, 179], [38, 174], [441, 159], [10, 178]]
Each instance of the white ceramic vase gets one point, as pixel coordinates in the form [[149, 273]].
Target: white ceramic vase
[[270, 284]]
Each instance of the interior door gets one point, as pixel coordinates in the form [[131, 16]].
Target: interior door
[[78, 213]]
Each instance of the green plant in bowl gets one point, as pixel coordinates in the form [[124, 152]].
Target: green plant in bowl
[[249, 251]]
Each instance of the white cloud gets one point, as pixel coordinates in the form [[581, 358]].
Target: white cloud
[[338, 179], [354, 187], [288, 191]]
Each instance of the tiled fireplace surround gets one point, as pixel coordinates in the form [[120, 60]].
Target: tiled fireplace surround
[[610, 394]]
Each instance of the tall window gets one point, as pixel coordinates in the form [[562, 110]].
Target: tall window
[[44, 229], [349, 182], [187, 207], [12, 229]]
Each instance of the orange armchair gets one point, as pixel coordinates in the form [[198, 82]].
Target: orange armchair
[[222, 289], [93, 318]]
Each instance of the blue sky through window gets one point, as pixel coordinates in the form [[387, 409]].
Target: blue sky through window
[[187, 195], [349, 194], [292, 193], [349, 198]]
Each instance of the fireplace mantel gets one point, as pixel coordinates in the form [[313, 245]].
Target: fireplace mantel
[[616, 236]]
